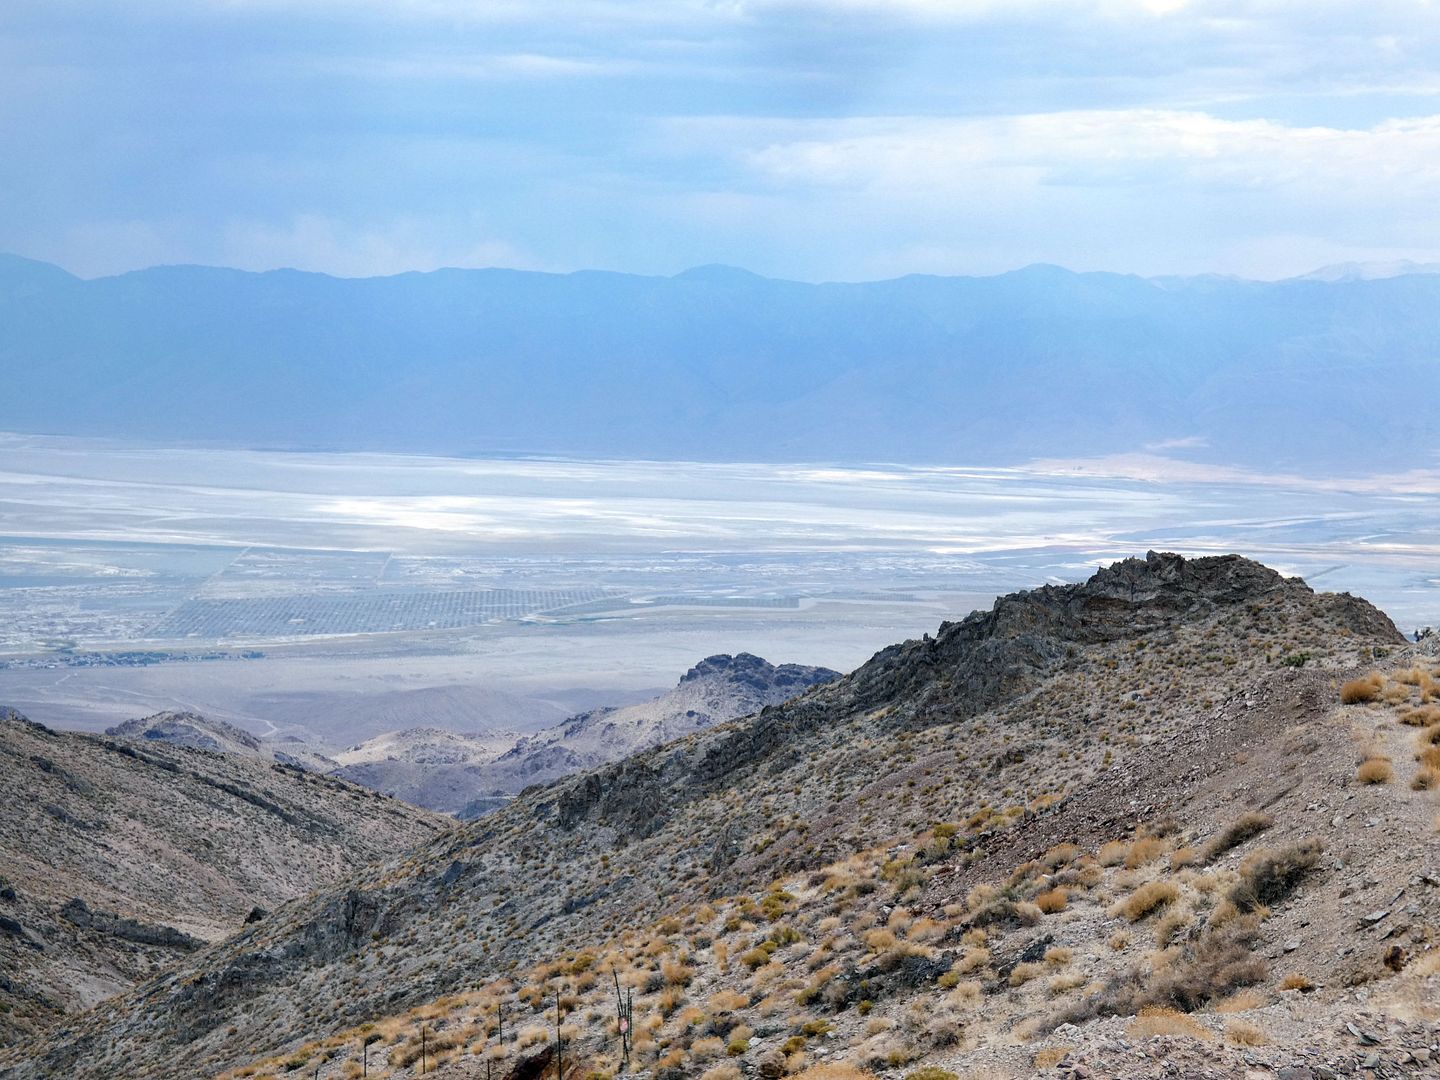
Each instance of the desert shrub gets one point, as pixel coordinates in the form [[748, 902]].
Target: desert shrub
[[1375, 770], [1361, 690], [1213, 966], [1170, 926], [1297, 981], [834, 1071], [1059, 855], [708, 1047], [1052, 900], [930, 1072], [1143, 851], [1426, 778], [1240, 1001], [755, 958], [1148, 898], [1236, 833], [1424, 716], [676, 973], [973, 960], [1112, 853], [724, 1071], [1058, 955], [1023, 973], [989, 906], [1268, 877], [1062, 984]]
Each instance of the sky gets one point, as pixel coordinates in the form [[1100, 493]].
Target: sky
[[834, 140]]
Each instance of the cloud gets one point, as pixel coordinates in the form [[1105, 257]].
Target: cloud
[[806, 138], [1084, 148]]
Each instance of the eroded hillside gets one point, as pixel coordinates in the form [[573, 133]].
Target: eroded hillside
[[1092, 815], [120, 856]]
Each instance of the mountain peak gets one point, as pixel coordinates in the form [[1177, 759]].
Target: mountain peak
[[719, 273]]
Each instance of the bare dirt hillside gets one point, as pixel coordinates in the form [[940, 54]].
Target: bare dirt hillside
[[119, 856], [1178, 820]]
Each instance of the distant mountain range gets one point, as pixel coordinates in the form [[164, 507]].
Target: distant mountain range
[[720, 364]]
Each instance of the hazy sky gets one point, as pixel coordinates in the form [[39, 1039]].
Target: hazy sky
[[839, 139]]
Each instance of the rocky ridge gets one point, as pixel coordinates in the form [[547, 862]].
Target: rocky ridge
[[944, 858]]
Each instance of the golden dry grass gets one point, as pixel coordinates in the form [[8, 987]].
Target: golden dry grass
[[1361, 690], [1375, 770], [1144, 851], [1053, 900], [1156, 1020], [1147, 899]]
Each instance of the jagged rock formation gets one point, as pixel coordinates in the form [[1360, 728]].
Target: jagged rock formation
[[1165, 694], [122, 854], [471, 774]]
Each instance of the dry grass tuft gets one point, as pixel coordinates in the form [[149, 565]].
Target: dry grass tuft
[[1424, 716], [1297, 982], [1147, 899], [1357, 691], [1270, 876], [1241, 1001], [1052, 900], [1112, 853], [1144, 851], [1243, 828], [1375, 770], [1426, 779], [1159, 1020]]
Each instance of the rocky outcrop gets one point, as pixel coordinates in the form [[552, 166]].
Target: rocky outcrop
[[189, 729], [472, 774], [78, 913]]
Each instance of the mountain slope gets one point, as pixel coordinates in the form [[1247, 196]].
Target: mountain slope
[[1058, 712], [219, 737], [122, 855], [474, 773], [719, 365]]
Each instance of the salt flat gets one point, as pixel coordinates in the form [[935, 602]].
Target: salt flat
[[337, 594]]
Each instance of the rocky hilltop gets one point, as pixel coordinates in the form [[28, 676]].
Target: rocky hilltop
[[1178, 819], [121, 855], [471, 774], [205, 733]]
